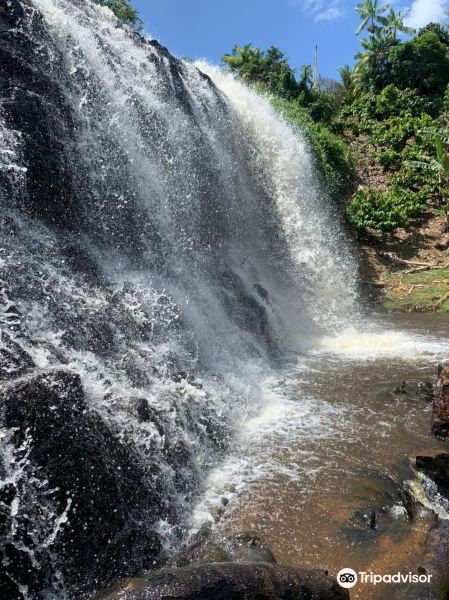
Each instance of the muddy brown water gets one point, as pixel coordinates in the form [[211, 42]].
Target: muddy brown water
[[346, 509]]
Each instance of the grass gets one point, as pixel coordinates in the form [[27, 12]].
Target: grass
[[422, 291]]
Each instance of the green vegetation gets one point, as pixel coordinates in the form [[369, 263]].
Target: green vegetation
[[395, 112], [423, 291], [387, 116], [383, 211], [124, 12]]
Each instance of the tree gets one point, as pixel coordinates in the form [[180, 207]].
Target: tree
[[241, 56], [422, 64], [369, 12], [244, 60], [269, 68], [347, 79], [441, 32], [347, 83], [393, 23], [373, 65], [277, 74], [124, 12]]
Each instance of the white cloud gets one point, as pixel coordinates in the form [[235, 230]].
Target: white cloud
[[330, 14], [321, 10], [426, 11]]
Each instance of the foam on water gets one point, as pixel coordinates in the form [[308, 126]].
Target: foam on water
[[267, 445], [375, 344]]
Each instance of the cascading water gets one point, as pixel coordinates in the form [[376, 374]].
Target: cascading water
[[164, 236]]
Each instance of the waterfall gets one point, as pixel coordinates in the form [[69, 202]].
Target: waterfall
[[165, 236]]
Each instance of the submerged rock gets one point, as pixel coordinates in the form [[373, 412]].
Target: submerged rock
[[100, 503], [242, 547], [229, 581], [440, 412]]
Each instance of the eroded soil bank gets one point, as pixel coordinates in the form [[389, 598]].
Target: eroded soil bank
[[408, 270]]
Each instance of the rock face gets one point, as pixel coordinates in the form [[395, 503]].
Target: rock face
[[440, 413], [14, 360], [96, 485], [437, 468], [437, 559], [229, 581]]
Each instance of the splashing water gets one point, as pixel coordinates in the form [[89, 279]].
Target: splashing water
[[179, 249]]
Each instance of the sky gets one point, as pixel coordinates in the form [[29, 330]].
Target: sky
[[208, 29]]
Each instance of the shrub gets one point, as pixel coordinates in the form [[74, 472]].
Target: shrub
[[397, 131], [390, 102], [388, 159], [383, 211]]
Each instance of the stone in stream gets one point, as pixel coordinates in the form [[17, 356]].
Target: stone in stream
[[440, 411], [229, 581], [437, 468], [204, 547]]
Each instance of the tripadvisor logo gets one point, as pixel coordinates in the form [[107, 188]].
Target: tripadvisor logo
[[347, 578]]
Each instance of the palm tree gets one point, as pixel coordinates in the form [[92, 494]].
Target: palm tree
[[393, 23], [347, 80], [346, 77], [370, 69], [439, 165], [242, 59], [369, 12], [376, 47]]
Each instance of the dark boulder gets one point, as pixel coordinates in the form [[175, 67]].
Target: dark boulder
[[436, 561], [440, 411], [14, 360], [108, 500], [229, 581], [437, 468]]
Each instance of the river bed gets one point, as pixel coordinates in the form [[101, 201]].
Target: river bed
[[319, 473]]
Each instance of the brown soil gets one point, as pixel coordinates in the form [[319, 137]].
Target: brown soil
[[387, 258]]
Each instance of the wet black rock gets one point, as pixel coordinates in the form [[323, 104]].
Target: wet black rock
[[36, 107], [14, 360], [247, 546], [229, 581], [437, 468], [110, 504], [145, 413], [363, 519], [440, 409]]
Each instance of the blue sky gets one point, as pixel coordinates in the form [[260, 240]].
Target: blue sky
[[209, 28]]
